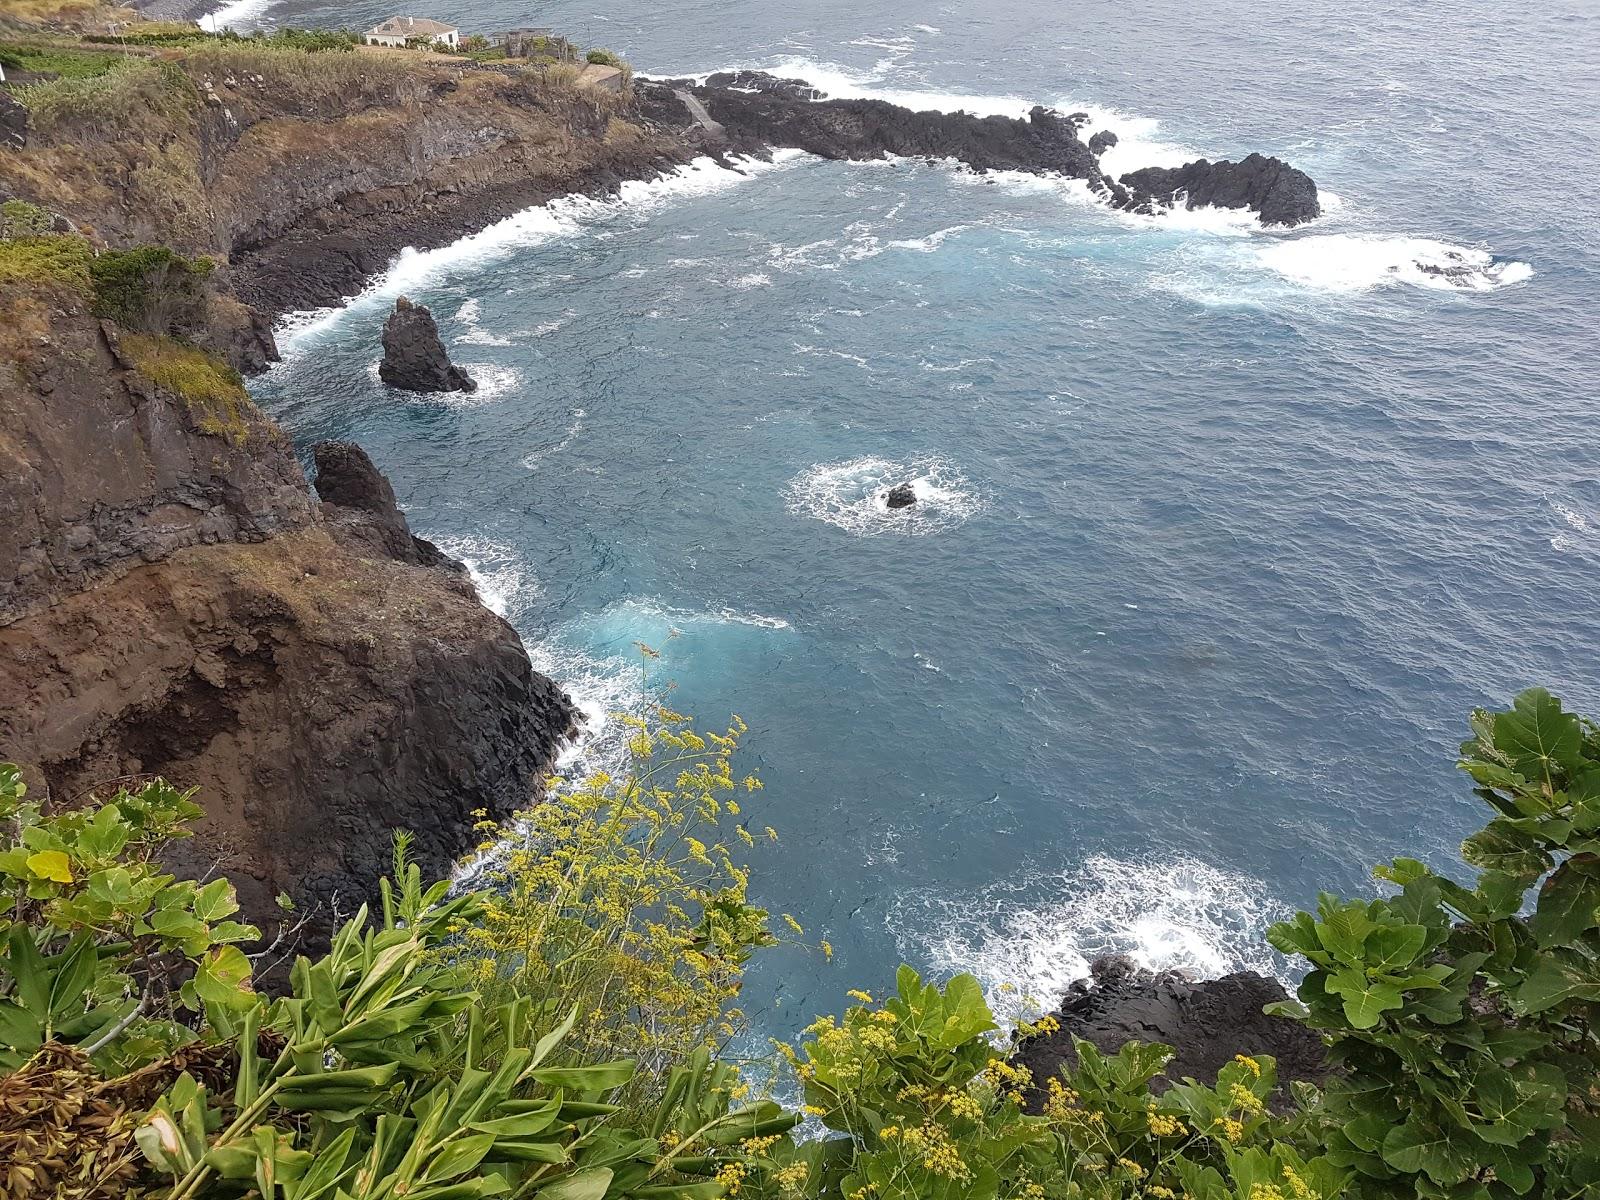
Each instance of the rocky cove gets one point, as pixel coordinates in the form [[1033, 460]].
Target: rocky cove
[[177, 599]]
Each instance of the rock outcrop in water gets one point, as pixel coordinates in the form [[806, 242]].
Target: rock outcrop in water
[[1100, 142], [1206, 1023], [758, 112], [902, 495], [414, 357], [1278, 193]]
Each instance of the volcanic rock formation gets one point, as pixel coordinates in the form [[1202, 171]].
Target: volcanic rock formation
[[173, 602], [758, 112], [414, 357], [1207, 1023], [902, 495]]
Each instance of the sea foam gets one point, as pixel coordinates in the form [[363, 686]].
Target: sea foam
[[854, 495], [1355, 263], [1031, 937], [413, 271]]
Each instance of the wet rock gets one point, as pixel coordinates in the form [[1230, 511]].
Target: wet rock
[[360, 507], [414, 357], [1206, 1022], [1100, 142], [1270, 187], [761, 81], [902, 495]]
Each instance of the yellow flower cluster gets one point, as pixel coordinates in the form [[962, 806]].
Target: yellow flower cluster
[[1245, 1100], [618, 896], [930, 1144], [1301, 1189], [1008, 1080], [1162, 1125], [1249, 1064]]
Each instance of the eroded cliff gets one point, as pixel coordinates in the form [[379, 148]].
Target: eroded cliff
[[174, 601]]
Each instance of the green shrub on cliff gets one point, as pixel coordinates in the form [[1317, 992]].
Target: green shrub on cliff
[[51, 261], [1467, 1027], [148, 288], [213, 390], [126, 95]]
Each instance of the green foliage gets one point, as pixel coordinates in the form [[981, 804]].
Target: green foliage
[[500, 1043], [147, 288], [47, 260], [66, 62], [213, 391], [128, 93], [1465, 1024], [101, 948], [288, 38], [380, 1074], [931, 1112], [605, 58]]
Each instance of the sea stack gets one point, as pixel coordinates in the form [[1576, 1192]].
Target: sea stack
[[413, 356], [902, 495]]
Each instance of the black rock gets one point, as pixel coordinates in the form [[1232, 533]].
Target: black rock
[[13, 122], [759, 112], [902, 495], [413, 356], [1100, 142], [359, 503], [760, 81], [1281, 194], [1205, 1022]]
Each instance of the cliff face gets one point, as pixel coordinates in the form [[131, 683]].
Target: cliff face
[[174, 601], [304, 173], [105, 471]]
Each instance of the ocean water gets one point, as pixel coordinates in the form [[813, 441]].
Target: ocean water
[[1220, 531]]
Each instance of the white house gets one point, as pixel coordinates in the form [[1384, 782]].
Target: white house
[[397, 31]]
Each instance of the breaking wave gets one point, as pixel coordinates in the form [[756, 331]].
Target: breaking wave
[[1353, 263], [413, 271], [854, 495], [1028, 939]]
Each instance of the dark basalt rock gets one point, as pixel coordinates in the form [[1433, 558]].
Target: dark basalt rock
[[1100, 142], [360, 507], [1205, 1022], [759, 112], [13, 122], [414, 358], [761, 81], [1279, 193], [902, 495]]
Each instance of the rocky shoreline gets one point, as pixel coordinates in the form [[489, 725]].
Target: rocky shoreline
[[323, 261], [1206, 1022], [178, 602]]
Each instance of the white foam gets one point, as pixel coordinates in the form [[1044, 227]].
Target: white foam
[[413, 271], [846, 83], [534, 458], [854, 495], [930, 243], [229, 16], [497, 573], [1168, 914], [470, 314], [1356, 263]]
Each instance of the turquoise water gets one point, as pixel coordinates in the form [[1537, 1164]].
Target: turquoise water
[[1222, 531]]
